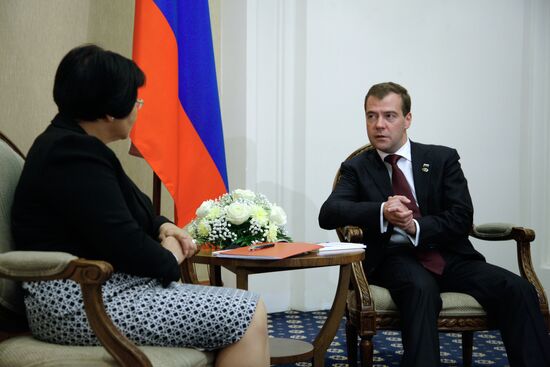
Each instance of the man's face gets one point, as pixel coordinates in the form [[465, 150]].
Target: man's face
[[386, 125]]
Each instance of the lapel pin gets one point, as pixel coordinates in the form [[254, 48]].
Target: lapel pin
[[425, 167]]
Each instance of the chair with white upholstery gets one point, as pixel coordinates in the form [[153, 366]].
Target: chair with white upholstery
[[370, 308], [17, 346]]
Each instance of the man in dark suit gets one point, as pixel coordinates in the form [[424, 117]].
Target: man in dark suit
[[413, 204]]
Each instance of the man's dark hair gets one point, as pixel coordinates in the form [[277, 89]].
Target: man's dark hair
[[91, 83], [381, 90]]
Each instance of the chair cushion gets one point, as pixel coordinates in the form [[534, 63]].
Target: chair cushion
[[454, 304], [34, 263], [27, 351], [489, 231], [11, 165]]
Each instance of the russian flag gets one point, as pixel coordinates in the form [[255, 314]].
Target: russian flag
[[179, 129]]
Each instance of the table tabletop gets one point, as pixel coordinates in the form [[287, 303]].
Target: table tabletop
[[308, 260]]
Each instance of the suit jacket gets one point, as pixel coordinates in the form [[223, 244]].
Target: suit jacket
[[74, 196], [441, 191]]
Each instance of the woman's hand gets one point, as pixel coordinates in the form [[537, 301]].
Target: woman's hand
[[187, 244], [169, 229], [172, 244]]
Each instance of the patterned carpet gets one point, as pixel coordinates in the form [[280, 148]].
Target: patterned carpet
[[488, 347]]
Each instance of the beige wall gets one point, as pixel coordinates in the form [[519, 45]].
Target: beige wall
[[34, 36]]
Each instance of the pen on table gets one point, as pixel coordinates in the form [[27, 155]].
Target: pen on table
[[262, 246]]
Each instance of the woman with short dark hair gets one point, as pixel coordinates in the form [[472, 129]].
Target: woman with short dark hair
[[91, 83], [73, 196]]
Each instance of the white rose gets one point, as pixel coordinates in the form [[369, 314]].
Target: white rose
[[238, 213], [244, 194], [205, 207], [277, 215]]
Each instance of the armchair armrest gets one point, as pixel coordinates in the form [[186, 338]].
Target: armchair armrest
[[523, 238], [501, 232], [360, 301], [350, 234], [34, 265], [90, 274]]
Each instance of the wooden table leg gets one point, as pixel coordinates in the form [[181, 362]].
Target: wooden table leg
[[215, 275], [188, 273], [330, 327], [242, 278]]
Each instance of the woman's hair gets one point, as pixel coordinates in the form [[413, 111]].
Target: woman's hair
[[91, 83]]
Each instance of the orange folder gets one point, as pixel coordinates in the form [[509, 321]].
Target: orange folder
[[280, 250]]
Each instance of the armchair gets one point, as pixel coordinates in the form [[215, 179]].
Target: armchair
[[371, 308], [17, 346]]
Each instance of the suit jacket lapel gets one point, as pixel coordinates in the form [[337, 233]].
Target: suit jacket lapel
[[379, 173], [421, 175]]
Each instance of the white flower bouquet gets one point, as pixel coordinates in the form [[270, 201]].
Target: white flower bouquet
[[236, 219]]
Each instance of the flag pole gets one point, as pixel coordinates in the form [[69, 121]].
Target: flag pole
[[156, 193]]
